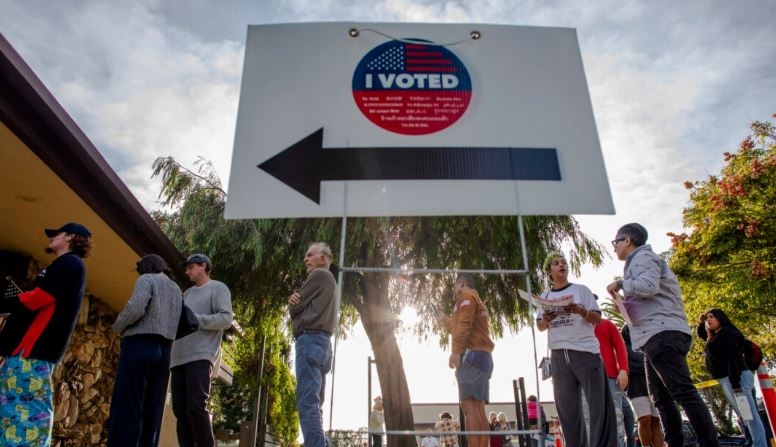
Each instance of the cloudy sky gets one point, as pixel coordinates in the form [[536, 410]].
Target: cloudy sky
[[673, 84]]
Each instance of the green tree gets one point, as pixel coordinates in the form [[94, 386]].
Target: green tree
[[728, 260], [265, 261], [610, 312]]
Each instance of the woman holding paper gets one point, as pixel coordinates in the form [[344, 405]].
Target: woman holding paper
[[725, 362], [570, 312]]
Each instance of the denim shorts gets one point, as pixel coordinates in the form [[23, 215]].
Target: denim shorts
[[642, 406], [473, 375]]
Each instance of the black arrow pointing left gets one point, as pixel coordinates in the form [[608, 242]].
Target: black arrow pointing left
[[305, 164]]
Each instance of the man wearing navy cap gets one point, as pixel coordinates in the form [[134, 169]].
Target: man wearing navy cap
[[36, 334], [193, 356]]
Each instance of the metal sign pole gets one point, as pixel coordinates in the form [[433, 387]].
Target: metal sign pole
[[531, 321], [257, 408], [338, 298]]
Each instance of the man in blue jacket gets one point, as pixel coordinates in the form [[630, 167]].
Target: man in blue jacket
[[660, 330]]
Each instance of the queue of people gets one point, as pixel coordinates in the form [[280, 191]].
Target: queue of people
[[654, 373], [588, 357], [39, 324], [151, 352]]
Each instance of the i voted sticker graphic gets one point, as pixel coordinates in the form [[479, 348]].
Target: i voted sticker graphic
[[411, 87]]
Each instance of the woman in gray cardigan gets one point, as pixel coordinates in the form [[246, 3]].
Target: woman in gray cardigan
[[147, 325]]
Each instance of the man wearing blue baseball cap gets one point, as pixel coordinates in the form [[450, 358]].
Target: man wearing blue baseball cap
[[36, 334], [193, 356]]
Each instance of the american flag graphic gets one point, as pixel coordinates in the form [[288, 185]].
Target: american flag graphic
[[412, 58], [411, 86], [11, 289]]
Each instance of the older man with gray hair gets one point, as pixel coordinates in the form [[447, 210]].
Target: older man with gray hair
[[313, 310]]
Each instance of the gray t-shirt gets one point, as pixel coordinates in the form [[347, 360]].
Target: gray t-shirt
[[212, 304], [571, 331]]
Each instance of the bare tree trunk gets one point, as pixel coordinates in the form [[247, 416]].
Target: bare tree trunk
[[379, 323]]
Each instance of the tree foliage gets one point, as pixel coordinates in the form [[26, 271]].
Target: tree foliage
[[261, 260], [728, 260], [460, 242]]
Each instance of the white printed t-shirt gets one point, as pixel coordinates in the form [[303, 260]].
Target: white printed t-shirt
[[571, 331]]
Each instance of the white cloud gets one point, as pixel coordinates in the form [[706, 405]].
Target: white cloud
[[141, 89], [637, 114], [413, 11]]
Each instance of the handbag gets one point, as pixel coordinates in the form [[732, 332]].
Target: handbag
[[187, 324], [11, 291]]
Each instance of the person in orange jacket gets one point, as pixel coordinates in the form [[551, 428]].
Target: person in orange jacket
[[471, 355]]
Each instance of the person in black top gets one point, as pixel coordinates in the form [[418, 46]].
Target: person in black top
[[36, 334], [646, 414], [725, 362]]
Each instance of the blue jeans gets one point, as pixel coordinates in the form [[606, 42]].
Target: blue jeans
[[138, 395], [669, 383], [629, 421], [755, 426], [618, 397], [313, 362]]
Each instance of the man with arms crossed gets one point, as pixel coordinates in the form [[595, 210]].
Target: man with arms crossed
[[660, 330], [471, 355], [312, 312], [193, 356]]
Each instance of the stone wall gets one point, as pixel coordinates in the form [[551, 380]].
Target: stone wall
[[83, 380]]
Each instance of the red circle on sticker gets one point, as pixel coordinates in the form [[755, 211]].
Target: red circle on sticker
[[411, 87]]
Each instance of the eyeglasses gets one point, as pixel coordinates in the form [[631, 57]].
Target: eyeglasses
[[614, 242]]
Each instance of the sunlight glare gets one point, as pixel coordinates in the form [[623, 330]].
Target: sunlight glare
[[409, 316]]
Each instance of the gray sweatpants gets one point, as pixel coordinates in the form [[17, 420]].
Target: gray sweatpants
[[572, 371]]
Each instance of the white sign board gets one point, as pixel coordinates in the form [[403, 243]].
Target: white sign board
[[390, 119]]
